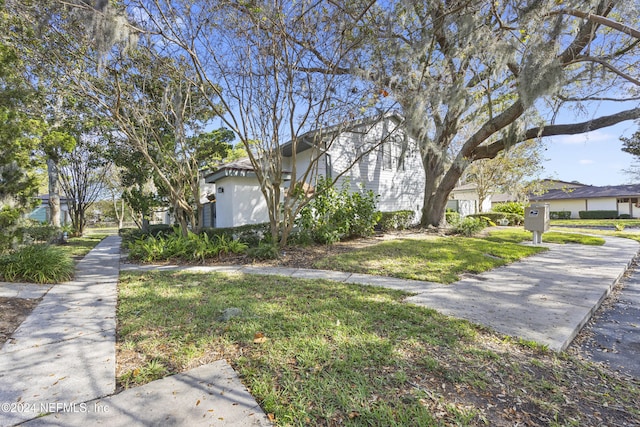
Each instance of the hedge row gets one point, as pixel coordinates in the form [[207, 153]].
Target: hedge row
[[598, 214], [560, 215], [495, 217], [396, 220]]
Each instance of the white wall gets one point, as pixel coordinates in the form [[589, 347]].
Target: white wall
[[240, 202], [602, 204], [577, 205], [574, 206], [398, 188]]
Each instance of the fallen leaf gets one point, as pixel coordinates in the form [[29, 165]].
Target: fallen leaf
[[259, 338], [271, 417]]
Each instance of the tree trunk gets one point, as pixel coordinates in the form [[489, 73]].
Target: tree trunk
[[54, 192], [435, 198]]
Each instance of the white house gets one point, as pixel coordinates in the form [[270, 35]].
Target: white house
[[373, 154], [464, 199], [625, 199]]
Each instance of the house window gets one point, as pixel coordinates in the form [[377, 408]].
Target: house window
[[387, 159], [393, 153]]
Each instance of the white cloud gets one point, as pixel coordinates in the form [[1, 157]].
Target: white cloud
[[586, 162], [595, 136]]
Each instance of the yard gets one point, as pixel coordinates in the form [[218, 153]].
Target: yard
[[316, 352]]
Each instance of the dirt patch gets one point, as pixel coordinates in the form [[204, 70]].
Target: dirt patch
[[13, 311], [306, 256]]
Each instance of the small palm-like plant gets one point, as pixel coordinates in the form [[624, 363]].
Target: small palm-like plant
[[37, 264]]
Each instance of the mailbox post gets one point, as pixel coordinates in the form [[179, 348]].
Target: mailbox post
[[536, 219]]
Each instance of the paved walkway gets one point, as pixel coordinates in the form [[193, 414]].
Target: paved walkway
[[62, 358]]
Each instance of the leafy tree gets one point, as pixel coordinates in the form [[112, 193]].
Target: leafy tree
[[509, 172], [17, 181], [631, 145], [475, 77]]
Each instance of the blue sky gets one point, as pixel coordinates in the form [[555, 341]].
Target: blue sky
[[593, 158]]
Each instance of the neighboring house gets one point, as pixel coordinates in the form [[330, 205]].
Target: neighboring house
[[369, 154], [625, 199], [42, 213], [464, 200]]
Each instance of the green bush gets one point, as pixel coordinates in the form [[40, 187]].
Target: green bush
[[469, 226], [560, 214], [251, 234], [174, 245], [333, 215], [264, 250], [452, 217], [624, 216], [509, 207], [40, 263], [603, 214], [396, 220], [130, 234], [40, 233], [493, 218]]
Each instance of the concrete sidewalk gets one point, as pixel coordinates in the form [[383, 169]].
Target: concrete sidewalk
[[62, 360], [546, 298]]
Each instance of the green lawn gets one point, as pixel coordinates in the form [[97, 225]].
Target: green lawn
[[443, 259], [80, 246], [434, 259], [595, 222], [321, 353], [518, 235]]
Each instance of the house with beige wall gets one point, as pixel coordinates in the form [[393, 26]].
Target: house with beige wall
[[625, 199]]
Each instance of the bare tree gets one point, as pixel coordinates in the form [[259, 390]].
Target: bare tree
[[247, 57], [83, 178]]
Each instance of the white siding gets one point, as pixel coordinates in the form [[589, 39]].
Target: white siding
[[602, 204], [398, 188]]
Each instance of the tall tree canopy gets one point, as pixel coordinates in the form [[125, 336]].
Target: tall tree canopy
[[473, 77]]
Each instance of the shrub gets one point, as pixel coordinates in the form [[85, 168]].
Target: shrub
[[40, 233], [40, 263], [333, 215], [509, 207], [469, 226], [624, 216], [560, 215], [130, 234], [174, 245], [251, 234], [602, 214], [396, 220], [493, 218], [452, 217], [264, 250]]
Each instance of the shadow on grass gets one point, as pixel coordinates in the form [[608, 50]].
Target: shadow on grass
[[316, 352]]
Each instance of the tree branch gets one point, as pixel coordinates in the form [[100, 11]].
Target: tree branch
[[490, 151], [609, 67], [600, 20]]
